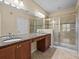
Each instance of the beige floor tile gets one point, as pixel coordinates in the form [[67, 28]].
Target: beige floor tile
[[53, 53]]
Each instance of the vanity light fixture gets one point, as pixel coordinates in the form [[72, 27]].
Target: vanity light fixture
[[14, 3], [39, 14], [7, 2], [1, 0]]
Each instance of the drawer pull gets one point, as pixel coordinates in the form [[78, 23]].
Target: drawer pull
[[19, 45]]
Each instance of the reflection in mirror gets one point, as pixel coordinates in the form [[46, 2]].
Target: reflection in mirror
[[7, 2]]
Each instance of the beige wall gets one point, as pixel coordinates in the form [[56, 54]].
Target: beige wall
[[0, 19], [69, 18], [0, 24], [63, 12]]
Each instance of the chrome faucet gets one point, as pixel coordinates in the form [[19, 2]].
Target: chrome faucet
[[11, 35]]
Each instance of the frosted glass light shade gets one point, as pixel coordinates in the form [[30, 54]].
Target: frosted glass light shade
[[1, 0]]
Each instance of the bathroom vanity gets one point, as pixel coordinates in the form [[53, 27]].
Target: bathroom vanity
[[21, 49]]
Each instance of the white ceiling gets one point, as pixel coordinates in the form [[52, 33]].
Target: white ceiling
[[55, 5]]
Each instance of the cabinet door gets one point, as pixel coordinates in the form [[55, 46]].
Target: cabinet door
[[8, 52], [44, 43], [23, 50]]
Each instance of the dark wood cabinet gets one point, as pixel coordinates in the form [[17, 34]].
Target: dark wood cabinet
[[8, 52], [23, 50], [44, 43], [17, 51]]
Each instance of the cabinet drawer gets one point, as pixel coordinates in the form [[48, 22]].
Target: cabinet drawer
[[37, 39]]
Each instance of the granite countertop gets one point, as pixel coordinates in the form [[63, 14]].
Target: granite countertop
[[23, 37]]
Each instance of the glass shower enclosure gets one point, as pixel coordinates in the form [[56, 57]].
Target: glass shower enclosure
[[64, 31]]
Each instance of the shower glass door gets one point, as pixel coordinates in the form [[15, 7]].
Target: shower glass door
[[68, 32], [56, 30], [64, 32], [68, 35]]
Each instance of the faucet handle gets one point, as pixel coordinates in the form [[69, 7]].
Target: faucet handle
[[10, 33]]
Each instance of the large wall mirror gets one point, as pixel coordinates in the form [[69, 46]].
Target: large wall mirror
[[11, 17]]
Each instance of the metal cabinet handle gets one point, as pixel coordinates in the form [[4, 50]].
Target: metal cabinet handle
[[19, 45]]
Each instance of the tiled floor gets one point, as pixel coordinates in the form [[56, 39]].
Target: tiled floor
[[53, 53]]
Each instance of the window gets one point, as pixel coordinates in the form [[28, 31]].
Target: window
[[66, 27]]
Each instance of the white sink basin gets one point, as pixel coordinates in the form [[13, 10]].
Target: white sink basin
[[12, 40]]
